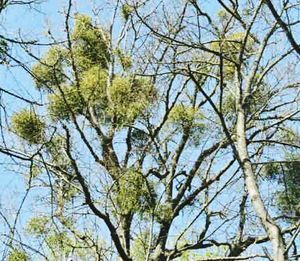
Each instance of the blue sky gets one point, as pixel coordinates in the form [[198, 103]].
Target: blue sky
[[33, 24]]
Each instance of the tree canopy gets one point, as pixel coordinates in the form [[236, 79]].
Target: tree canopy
[[168, 132]]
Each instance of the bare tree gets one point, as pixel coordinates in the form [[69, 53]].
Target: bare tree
[[169, 132]]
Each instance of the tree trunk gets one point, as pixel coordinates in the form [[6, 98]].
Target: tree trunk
[[124, 231], [268, 223], [160, 249]]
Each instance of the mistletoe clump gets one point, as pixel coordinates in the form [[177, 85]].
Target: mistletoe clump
[[29, 126], [121, 99], [71, 99], [134, 194], [190, 120], [125, 60], [38, 226], [49, 72], [127, 10], [94, 87], [187, 117], [91, 44], [18, 255], [231, 47], [256, 100], [66, 102], [130, 97], [288, 174]]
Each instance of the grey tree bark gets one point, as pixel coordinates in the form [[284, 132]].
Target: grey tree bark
[[268, 223]]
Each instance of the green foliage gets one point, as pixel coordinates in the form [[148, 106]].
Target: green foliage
[[139, 251], [287, 174], [189, 119], [90, 43], [230, 47], [130, 97], [62, 104], [67, 192], [57, 239], [127, 10], [134, 193], [223, 15], [190, 256], [125, 60], [289, 198], [29, 126], [67, 221], [18, 255], [260, 95], [90, 48], [49, 73], [38, 226], [272, 169], [64, 190], [55, 148], [256, 100], [92, 92], [60, 243], [163, 213], [125, 100], [63, 245], [93, 87], [140, 246], [34, 172], [186, 116], [229, 104]]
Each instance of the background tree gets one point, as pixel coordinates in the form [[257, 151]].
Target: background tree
[[169, 133]]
